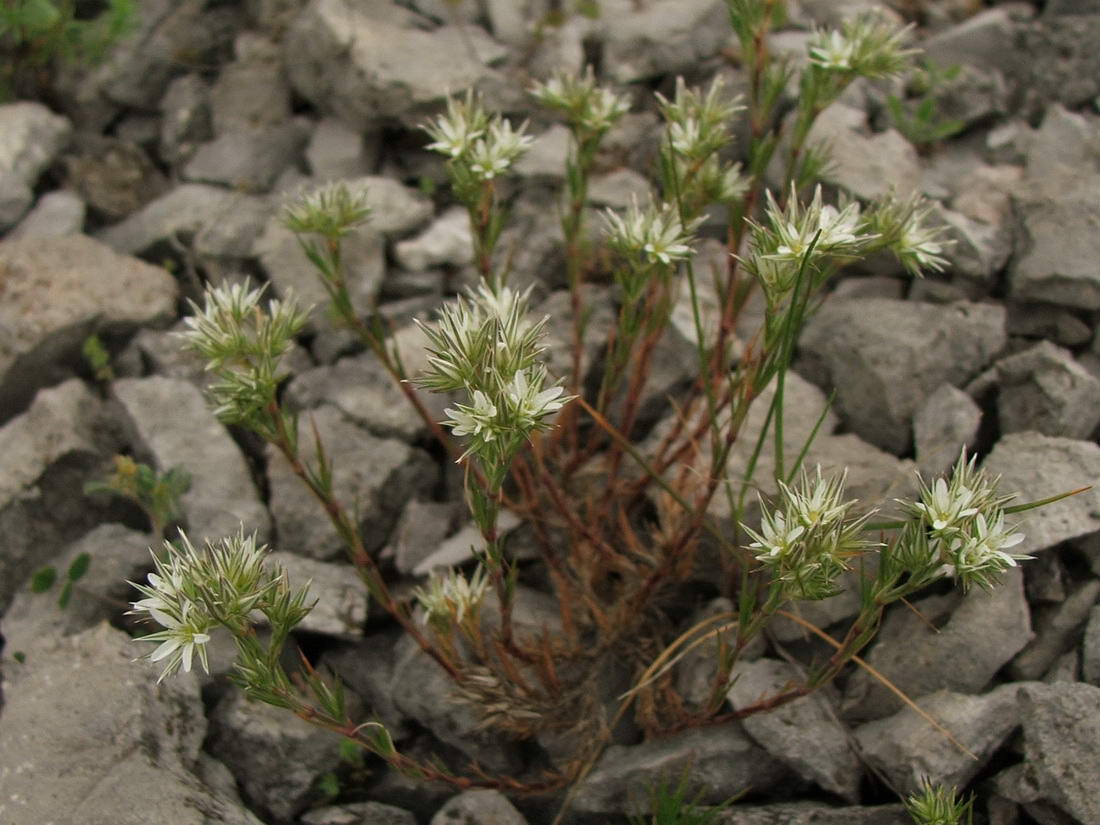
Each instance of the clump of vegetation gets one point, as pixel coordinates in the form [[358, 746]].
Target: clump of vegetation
[[36, 34]]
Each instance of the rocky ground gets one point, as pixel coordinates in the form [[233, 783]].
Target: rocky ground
[[167, 165]]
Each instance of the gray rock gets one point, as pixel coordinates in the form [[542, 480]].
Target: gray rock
[[1057, 324], [56, 215], [248, 160], [276, 757], [359, 813], [444, 11], [361, 389], [484, 807], [419, 532], [252, 91], [233, 233], [920, 660], [1045, 390], [180, 212], [16, 198], [1061, 62], [341, 608], [460, 547], [1061, 731], [49, 451], [696, 668], [31, 138], [437, 706], [373, 77], [172, 424], [447, 240], [986, 41], [885, 357], [665, 37], [366, 667], [619, 189], [868, 166], [371, 476], [138, 70], [809, 813], [185, 118], [805, 734], [58, 291], [1058, 245], [1090, 649], [1045, 579], [723, 762], [115, 177], [906, 748], [1056, 631], [977, 250], [90, 737], [290, 271], [510, 20], [1034, 467], [396, 209], [547, 155], [944, 424], [336, 151], [118, 555]]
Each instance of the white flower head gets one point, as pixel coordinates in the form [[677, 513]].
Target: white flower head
[[477, 419], [867, 45], [528, 403], [493, 154], [451, 597], [587, 107], [654, 234], [455, 132]]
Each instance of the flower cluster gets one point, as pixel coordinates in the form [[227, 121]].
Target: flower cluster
[[805, 540], [487, 347], [194, 591], [963, 526], [651, 236], [867, 46], [937, 805], [902, 225], [698, 124], [482, 146], [590, 109], [242, 345], [451, 597], [330, 211], [794, 236]]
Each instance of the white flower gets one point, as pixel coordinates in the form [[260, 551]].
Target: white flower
[[456, 131], [528, 402], [477, 419], [946, 506], [655, 233], [493, 154], [776, 537], [832, 50], [180, 640], [982, 551]]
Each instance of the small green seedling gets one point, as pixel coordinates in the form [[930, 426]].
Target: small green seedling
[[157, 494], [920, 121], [46, 577], [98, 359], [36, 34]]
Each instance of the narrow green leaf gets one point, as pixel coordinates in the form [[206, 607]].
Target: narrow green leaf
[[66, 595], [43, 580], [79, 567]]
